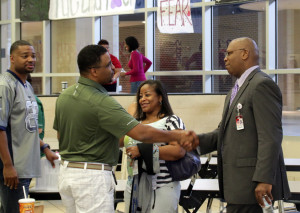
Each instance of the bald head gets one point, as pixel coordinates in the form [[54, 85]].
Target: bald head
[[242, 53], [250, 45]]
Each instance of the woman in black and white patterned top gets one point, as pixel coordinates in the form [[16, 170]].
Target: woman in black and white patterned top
[[150, 187]]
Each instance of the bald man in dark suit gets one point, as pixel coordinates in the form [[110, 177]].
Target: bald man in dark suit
[[249, 136]]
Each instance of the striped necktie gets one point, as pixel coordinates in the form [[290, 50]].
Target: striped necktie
[[234, 92]]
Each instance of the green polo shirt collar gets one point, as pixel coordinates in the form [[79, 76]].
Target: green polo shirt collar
[[89, 82]]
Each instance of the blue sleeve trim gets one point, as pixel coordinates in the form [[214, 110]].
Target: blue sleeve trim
[[2, 128], [17, 77]]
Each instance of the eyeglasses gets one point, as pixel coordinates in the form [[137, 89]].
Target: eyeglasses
[[107, 66], [228, 53]]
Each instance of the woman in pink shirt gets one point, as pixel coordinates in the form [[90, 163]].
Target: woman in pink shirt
[[136, 64]]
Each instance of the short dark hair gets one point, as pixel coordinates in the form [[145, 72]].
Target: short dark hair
[[89, 56], [16, 45], [103, 41], [132, 43], [159, 89]]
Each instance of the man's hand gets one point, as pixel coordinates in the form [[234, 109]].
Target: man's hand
[[189, 140], [263, 190], [51, 156], [10, 177]]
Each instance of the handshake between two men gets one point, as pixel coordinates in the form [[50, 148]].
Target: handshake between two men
[[188, 140], [147, 134]]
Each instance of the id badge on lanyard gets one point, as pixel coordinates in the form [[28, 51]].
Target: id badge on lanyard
[[239, 118]]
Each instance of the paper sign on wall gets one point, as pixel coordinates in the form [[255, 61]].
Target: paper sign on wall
[[218, 2], [174, 16], [66, 9]]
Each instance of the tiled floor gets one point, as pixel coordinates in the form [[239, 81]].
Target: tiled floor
[[55, 206]]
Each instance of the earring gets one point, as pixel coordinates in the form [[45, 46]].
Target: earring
[[160, 102]]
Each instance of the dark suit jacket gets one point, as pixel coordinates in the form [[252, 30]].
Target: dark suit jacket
[[254, 154]]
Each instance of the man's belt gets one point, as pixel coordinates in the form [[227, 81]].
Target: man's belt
[[82, 165]]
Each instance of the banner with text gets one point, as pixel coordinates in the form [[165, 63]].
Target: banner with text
[[218, 2], [174, 16], [66, 9]]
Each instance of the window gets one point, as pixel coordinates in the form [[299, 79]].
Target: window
[[37, 85], [68, 38], [175, 52], [289, 58], [180, 52], [230, 22], [178, 59], [5, 46], [192, 1], [57, 83], [288, 34], [33, 33], [290, 87], [130, 25], [5, 10]]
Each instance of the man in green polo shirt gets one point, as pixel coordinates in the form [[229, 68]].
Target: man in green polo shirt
[[89, 124]]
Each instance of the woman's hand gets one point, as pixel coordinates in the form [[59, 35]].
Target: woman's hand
[[171, 152], [133, 152]]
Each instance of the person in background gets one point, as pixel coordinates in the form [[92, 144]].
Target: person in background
[[195, 60], [20, 145], [38, 207], [248, 139], [112, 86], [150, 187], [89, 124], [136, 64], [41, 117]]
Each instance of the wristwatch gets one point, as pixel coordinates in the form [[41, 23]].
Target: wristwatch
[[44, 147]]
